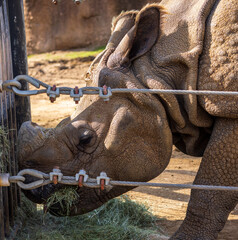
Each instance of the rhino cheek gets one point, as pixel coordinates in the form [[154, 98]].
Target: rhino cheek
[[138, 162], [140, 152]]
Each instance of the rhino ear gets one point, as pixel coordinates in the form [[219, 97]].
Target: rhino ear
[[139, 39], [120, 26]]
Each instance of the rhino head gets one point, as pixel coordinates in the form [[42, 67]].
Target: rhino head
[[129, 137]]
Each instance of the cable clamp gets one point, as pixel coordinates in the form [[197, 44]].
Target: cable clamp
[[56, 176], [105, 93], [53, 93], [77, 2], [81, 177], [103, 180], [76, 94]]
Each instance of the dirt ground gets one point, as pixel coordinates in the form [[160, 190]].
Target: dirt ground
[[168, 204]]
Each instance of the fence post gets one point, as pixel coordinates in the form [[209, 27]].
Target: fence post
[[13, 110], [19, 56]]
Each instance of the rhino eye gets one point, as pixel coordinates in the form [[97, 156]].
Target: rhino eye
[[85, 140]]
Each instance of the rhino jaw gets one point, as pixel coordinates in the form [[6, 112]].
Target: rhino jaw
[[87, 199]]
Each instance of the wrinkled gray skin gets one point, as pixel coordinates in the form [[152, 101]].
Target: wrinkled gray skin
[[131, 136]]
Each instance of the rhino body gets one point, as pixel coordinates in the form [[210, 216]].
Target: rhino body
[[175, 45]]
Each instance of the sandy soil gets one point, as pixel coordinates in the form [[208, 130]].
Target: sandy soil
[[168, 204]]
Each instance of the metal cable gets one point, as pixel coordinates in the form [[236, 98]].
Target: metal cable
[[168, 185], [104, 92], [82, 179], [177, 92]]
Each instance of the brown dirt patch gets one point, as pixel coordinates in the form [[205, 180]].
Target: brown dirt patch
[[68, 73], [168, 204]]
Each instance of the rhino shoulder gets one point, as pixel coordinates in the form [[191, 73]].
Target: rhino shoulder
[[218, 62]]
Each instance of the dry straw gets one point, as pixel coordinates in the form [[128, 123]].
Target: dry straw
[[119, 219], [64, 197]]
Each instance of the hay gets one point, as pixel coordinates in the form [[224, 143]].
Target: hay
[[119, 219], [65, 197], [4, 149]]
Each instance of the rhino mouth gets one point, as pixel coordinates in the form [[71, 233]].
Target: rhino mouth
[[87, 199], [41, 195], [61, 208]]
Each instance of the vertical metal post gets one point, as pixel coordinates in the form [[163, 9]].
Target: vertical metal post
[[19, 63], [6, 70], [13, 61], [19, 56]]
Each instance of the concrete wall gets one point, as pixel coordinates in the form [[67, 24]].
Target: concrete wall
[[67, 25]]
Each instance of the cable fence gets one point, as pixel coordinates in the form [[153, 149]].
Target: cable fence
[[82, 179], [104, 92]]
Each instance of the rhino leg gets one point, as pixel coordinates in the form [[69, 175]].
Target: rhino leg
[[208, 210]]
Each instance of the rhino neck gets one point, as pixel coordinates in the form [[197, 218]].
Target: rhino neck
[[156, 77], [188, 137]]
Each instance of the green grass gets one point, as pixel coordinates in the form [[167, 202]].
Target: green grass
[[83, 54], [68, 55], [119, 219]]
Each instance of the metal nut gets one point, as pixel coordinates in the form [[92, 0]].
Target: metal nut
[[103, 176]]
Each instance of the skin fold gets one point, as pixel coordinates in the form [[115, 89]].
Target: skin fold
[[175, 45]]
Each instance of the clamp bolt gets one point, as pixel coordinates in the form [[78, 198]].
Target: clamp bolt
[[56, 176], [103, 180], [81, 177], [105, 93], [53, 93], [76, 94]]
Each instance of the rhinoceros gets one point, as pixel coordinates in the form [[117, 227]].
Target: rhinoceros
[[188, 45]]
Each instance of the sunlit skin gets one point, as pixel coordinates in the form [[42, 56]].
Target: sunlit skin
[[131, 137]]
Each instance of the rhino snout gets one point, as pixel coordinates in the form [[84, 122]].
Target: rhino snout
[[30, 137], [29, 132]]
